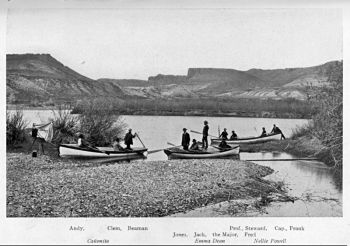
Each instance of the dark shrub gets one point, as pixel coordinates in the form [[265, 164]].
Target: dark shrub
[[15, 128], [65, 126], [99, 123]]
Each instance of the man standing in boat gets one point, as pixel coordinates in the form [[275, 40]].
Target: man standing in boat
[[205, 135], [276, 130], [185, 142], [128, 139]]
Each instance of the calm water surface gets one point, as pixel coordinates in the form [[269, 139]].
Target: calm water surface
[[312, 182], [156, 131]]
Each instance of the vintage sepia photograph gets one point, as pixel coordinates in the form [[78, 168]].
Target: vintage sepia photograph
[[174, 112]]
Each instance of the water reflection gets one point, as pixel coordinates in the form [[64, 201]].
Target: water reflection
[[304, 178]]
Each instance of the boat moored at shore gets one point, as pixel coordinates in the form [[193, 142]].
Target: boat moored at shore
[[249, 140], [211, 153], [100, 153]]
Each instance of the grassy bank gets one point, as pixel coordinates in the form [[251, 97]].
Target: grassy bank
[[303, 146], [45, 187]]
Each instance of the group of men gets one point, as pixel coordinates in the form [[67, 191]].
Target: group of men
[[275, 130], [185, 142], [128, 140], [224, 135]]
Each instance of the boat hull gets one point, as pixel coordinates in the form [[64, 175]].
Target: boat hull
[[75, 152], [219, 154], [253, 140]]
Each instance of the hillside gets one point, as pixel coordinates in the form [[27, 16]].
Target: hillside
[[254, 83], [281, 77], [41, 79], [126, 82]]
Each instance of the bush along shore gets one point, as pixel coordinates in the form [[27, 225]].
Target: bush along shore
[[47, 187]]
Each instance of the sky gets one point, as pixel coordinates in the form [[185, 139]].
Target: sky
[[138, 43]]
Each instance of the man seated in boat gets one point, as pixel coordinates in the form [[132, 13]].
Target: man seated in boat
[[233, 136], [82, 142], [224, 145], [116, 145], [263, 134], [195, 145], [224, 134], [128, 139], [276, 130]]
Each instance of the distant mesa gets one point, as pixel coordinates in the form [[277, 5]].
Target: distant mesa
[[41, 78]]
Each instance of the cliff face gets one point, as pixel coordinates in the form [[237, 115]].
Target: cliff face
[[40, 78], [161, 79], [254, 83]]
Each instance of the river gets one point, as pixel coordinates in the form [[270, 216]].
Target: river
[[311, 181], [156, 131]]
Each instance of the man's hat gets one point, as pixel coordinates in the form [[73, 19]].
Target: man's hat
[[225, 129], [205, 121], [194, 140], [184, 129]]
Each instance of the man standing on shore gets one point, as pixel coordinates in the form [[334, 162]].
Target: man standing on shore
[[185, 139], [205, 135]]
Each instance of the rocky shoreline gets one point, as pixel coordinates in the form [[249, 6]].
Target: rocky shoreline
[[50, 187]]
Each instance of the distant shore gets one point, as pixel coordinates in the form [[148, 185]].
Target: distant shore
[[173, 113]]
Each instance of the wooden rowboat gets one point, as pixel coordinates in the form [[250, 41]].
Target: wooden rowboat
[[100, 153], [211, 153], [250, 140]]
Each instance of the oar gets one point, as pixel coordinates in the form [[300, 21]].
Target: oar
[[174, 145], [94, 148], [154, 151], [202, 133], [157, 150], [137, 135]]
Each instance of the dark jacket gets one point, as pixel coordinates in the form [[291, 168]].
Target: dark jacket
[[263, 134], [185, 139], [206, 130], [233, 136], [224, 145], [128, 138], [34, 132], [276, 130], [224, 135], [194, 146]]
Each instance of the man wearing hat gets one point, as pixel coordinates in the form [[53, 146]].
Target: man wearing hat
[[205, 135], [224, 134], [128, 139], [185, 142]]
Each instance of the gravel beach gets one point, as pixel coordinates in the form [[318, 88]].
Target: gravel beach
[[49, 187]]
